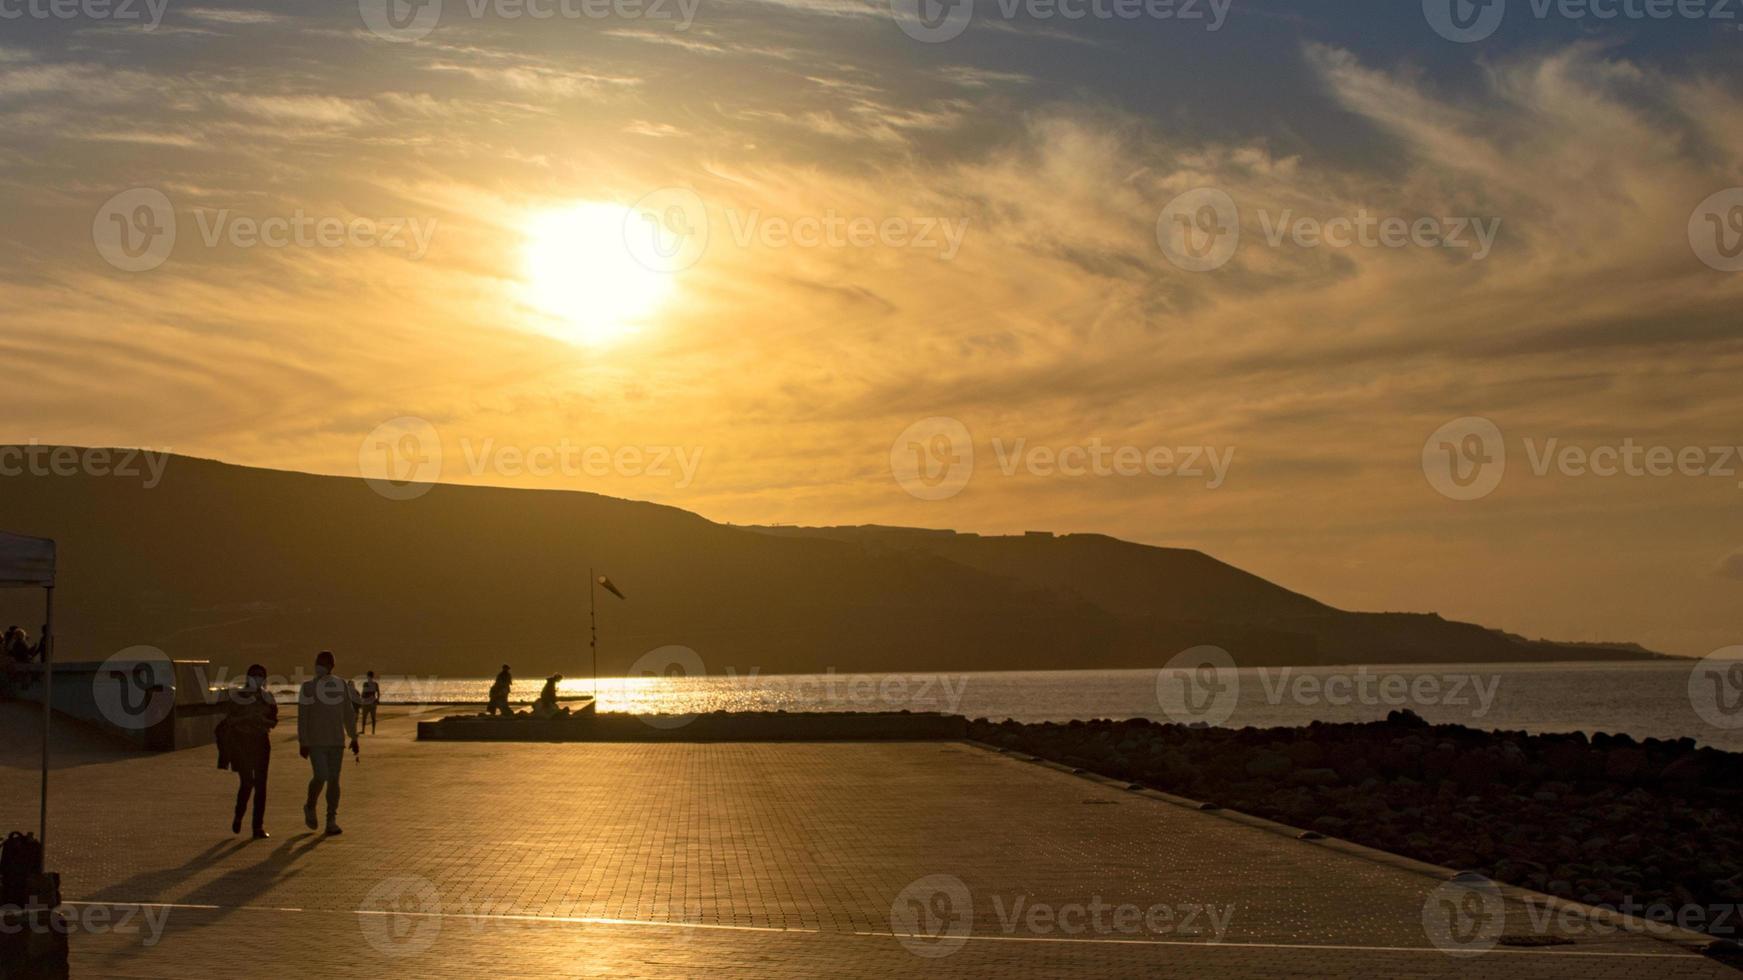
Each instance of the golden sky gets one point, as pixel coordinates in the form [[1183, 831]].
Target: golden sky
[[878, 231]]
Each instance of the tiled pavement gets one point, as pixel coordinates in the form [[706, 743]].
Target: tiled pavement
[[722, 860]]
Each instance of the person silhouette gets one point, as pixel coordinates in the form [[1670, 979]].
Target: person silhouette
[[326, 718], [371, 697], [548, 697], [499, 693], [250, 715], [18, 645]]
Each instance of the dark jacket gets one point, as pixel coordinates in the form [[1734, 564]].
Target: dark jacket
[[20, 650], [242, 735]]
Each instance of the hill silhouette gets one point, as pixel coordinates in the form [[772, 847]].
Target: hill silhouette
[[236, 565]]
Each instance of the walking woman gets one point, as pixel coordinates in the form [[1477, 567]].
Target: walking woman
[[244, 743]]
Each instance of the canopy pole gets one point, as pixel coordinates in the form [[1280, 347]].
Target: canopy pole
[[47, 715]]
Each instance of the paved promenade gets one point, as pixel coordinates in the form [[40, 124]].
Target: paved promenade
[[727, 860]]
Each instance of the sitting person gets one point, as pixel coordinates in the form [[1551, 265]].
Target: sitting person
[[18, 647], [548, 697], [9, 662]]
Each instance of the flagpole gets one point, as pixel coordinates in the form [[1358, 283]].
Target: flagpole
[[593, 630], [47, 716]]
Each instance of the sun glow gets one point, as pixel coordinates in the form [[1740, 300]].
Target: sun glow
[[582, 275]]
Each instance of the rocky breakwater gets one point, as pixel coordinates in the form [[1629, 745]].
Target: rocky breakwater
[[1647, 827]]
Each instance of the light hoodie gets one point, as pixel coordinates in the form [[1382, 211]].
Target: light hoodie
[[326, 711]]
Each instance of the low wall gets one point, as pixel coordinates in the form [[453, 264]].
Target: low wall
[[156, 703], [796, 726]]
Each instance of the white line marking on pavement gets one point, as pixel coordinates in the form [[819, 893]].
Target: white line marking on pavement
[[722, 927], [506, 916], [1109, 941]]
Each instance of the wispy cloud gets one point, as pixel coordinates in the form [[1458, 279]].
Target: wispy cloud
[[224, 15]]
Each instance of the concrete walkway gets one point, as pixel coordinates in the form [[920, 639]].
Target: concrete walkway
[[728, 860]]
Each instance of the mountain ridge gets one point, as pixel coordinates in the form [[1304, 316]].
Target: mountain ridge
[[236, 564]]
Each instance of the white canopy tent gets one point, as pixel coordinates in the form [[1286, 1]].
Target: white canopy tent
[[29, 563]]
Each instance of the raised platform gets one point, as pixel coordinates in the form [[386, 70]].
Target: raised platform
[[770, 726], [154, 702]]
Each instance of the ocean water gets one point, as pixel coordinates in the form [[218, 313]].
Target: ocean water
[[1655, 699]]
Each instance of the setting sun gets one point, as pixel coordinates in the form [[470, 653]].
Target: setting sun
[[582, 276]]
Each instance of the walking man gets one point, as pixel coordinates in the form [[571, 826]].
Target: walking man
[[371, 699], [326, 722], [499, 693]]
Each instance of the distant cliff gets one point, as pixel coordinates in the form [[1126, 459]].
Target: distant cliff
[[239, 565]]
